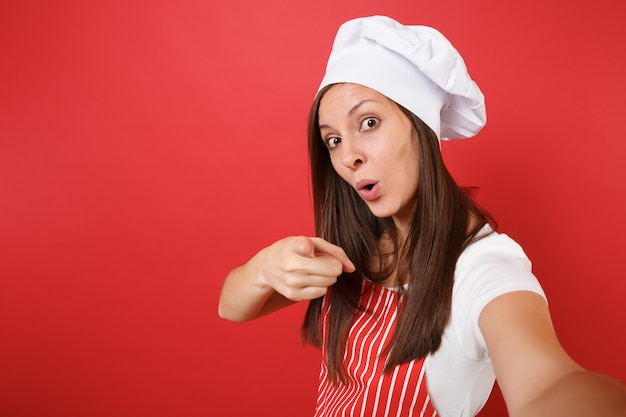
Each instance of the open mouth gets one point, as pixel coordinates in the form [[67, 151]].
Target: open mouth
[[368, 190], [366, 185]]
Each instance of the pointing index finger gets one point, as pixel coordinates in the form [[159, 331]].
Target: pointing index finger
[[324, 246]]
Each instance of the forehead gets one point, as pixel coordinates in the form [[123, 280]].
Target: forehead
[[347, 95], [353, 88]]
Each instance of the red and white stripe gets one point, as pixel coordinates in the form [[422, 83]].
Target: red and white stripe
[[369, 392]]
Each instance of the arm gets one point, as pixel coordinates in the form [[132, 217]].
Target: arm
[[536, 375], [292, 269]]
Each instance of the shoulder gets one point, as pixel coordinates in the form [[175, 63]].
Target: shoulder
[[492, 247], [493, 260], [493, 265]]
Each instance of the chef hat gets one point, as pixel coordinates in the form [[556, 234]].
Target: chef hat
[[416, 66]]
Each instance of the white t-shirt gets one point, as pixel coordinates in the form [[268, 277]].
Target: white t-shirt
[[460, 375]]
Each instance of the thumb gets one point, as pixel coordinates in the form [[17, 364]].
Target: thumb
[[304, 247]]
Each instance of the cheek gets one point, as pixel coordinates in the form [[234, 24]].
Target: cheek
[[414, 185], [338, 167], [411, 169], [413, 155]]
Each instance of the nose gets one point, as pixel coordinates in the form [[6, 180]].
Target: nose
[[352, 154]]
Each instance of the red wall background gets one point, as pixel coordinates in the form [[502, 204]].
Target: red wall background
[[147, 147]]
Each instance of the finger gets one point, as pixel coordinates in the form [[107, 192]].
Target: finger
[[324, 246], [311, 293], [306, 293], [299, 281], [324, 265], [300, 267]]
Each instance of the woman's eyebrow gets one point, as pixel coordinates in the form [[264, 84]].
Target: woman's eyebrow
[[356, 106], [350, 112]]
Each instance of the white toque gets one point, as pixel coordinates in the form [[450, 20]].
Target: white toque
[[416, 66]]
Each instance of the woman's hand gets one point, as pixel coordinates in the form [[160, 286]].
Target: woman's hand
[[290, 270], [302, 268]]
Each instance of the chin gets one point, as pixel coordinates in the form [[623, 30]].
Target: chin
[[400, 215], [381, 212]]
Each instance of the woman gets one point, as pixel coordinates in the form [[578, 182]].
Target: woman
[[416, 302]]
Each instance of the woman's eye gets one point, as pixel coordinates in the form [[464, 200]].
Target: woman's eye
[[333, 142], [369, 123]]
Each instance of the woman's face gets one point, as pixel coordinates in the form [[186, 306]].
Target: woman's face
[[374, 147]]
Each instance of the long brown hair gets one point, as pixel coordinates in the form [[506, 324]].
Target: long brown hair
[[444, 223]]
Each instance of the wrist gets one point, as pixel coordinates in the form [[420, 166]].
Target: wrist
[[259, 270]]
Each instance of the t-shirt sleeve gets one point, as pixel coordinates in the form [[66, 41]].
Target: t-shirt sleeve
[[488, 268]]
